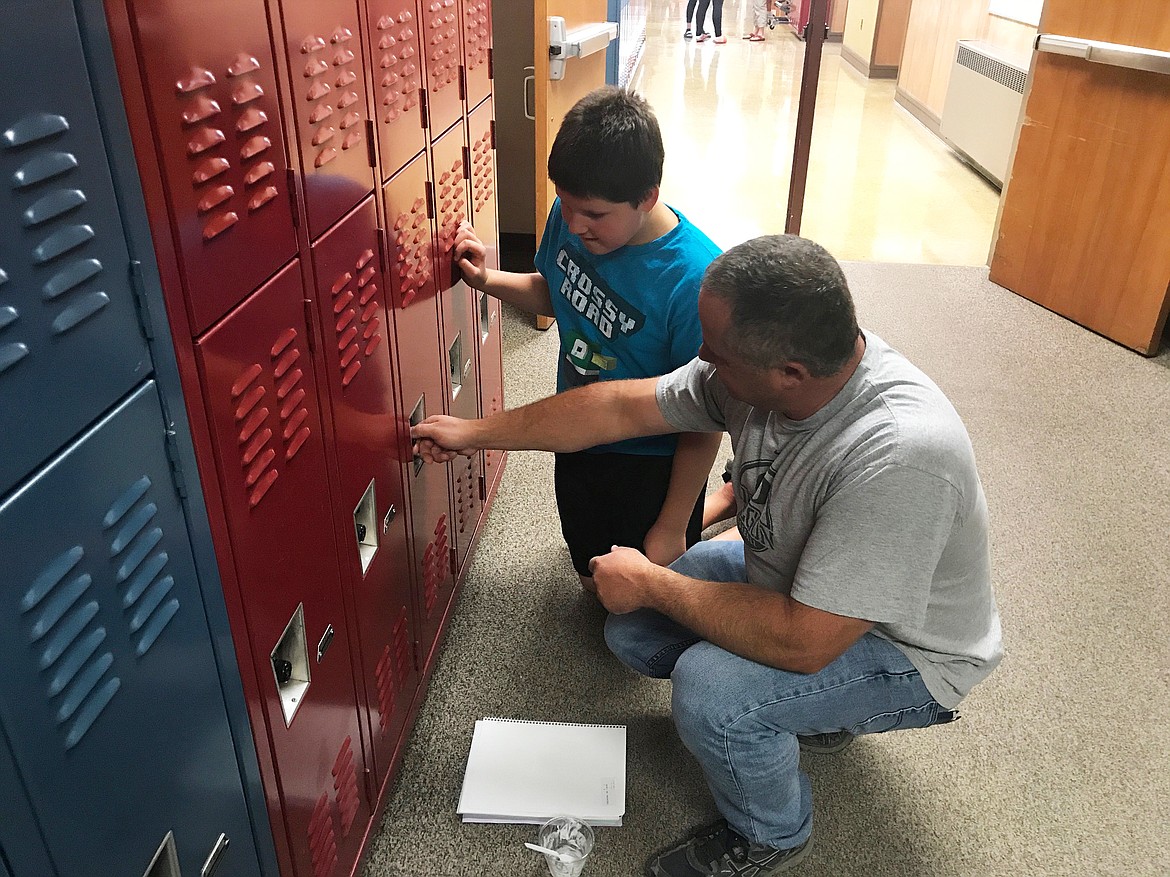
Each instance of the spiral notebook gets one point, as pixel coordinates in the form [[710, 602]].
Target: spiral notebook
[[527, 772]]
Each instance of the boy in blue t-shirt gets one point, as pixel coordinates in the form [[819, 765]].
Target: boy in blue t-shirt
[[620, 271]]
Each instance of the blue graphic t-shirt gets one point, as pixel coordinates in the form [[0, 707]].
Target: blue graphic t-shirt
[[632, 313]]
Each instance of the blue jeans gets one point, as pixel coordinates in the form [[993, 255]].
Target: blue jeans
[[740, 719]]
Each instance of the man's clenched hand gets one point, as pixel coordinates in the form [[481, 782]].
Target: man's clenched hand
[[440, 439]]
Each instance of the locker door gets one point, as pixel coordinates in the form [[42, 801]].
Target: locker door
[[480, 133], [329, 104], [258, 385], [442, 48], [70, 344], [423, 391], [21, 845], [460, 329], [211, 84], [350, 299], [110, 693], [477, 49], [398, 82]]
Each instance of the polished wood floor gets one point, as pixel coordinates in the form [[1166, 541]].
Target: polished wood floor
[[881, 186]]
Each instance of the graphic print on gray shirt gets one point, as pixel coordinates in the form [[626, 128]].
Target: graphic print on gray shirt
[[871, 508]]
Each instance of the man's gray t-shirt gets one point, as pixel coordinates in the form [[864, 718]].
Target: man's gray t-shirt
[[871, 508]]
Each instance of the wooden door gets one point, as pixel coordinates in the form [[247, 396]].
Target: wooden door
[[555, 98], [1083, 221]]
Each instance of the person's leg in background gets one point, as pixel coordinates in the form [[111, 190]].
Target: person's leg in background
[[717, 20], [759, 20], [700, 17], [688, 33]]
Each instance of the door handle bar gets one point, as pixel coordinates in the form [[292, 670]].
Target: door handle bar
[[1113, 54]]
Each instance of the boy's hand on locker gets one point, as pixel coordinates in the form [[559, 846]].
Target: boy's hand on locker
[[440, 439], [471, 256]]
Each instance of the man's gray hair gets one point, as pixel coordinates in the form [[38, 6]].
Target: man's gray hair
[[789, 303]]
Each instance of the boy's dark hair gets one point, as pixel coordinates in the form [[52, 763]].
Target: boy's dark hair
[[609, 146], [789, 303]]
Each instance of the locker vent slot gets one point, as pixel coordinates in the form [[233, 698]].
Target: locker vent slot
[[394, 668], [401, 78], [346, 786], [477, 37], [61, 608], [139, 548], [365, 525], [166, 860], [455, 364], [483, 183], [290, 665], [323, 838]]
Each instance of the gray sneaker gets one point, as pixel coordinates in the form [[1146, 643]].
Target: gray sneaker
[[721, 851], [825, 744]]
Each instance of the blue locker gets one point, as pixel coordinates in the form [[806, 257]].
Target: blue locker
[[111, 696], [21, 845], [70, 342]]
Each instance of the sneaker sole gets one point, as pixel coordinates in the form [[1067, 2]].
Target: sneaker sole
[[819, 749]]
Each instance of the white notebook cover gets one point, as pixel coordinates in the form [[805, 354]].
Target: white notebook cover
[[527, 772]]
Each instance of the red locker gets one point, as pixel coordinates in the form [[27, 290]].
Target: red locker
[[398, 82], [460, 329], [351, 306], [210, 77], [258, 387], [410, 256], [329, 105], [440, 33], [481, 148], [477, 49]]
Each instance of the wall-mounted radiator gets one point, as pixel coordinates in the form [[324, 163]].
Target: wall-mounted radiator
[[982, 107]]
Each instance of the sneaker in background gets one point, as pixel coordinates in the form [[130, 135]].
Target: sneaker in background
[[721, 851], [825, 744]]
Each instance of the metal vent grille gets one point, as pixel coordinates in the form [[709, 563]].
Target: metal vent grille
[[995, 70]]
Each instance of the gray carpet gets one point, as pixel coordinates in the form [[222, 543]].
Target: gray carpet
[[1060, 763]]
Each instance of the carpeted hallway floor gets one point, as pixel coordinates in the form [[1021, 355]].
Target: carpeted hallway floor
[[1059, 766]]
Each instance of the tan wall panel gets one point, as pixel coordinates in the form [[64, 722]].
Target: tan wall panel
[[891, 33]]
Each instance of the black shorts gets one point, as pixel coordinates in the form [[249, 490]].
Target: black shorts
[[613, 499]]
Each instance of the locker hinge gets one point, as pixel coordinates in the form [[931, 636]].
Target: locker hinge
[[172, 446], [466, 163], [454, 562], [462, 82], [491, 63], [483, 488], [371, 153], [380, 234], [292, 196], [430, 187], [492, 128], [424, 108], [139, 287], [309, 328]]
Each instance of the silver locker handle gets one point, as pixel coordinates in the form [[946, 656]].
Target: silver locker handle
[[530, 79], [1113, 54]]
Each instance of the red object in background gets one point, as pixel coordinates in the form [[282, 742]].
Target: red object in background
[[328, 79], [798, 15], [397, 74], [460, 328], [422, 389], [211, 83], [476, 16], [440, 29], [261, 396], [351, 296]]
